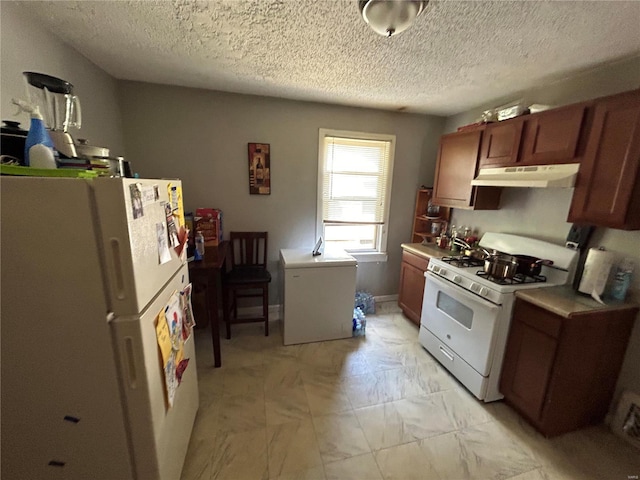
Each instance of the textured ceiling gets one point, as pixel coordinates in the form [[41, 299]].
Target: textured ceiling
[[457, 55]]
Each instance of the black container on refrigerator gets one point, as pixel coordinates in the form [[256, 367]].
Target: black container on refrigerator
[[13, 140]]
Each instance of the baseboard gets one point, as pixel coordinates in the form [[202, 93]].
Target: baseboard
[[274, 310], [386, 298]]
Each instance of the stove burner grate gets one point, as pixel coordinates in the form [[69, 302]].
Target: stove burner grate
[[463, 261], [517, 279]]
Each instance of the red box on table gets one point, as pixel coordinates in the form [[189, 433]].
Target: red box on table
[[209, 222]]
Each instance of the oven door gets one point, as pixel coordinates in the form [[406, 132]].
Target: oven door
[[464, 322]]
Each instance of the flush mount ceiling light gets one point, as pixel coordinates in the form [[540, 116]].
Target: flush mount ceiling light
[[390, 17]]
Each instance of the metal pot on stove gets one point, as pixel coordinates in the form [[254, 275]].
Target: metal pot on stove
[[531, 266], [501, 266], [477, 253]]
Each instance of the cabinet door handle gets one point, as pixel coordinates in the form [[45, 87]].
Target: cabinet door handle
[[131, 363], [118, 270], [446, 354]]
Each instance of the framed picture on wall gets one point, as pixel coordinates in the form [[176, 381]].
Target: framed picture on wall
[[259, 169]]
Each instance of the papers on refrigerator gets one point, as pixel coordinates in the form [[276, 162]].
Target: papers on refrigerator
[[174, 326], [164, 255]]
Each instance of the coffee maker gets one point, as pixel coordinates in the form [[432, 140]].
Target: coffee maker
[[59, 107]]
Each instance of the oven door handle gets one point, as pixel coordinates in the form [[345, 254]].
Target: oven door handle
[[455, 290]]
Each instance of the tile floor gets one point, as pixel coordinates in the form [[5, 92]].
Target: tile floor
[[374, 407]]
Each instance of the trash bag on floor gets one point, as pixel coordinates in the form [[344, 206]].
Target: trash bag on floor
[[359, 322], [366, 303]]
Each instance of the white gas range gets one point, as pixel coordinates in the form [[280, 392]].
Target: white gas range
[[466, 314]]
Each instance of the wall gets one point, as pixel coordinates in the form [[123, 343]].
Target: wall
[[26, 46], [542, 213], [201, 137]]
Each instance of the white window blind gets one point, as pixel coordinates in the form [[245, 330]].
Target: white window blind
[[355, 180]]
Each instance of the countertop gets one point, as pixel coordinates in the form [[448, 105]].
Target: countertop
[[427, 251], [565, 301]]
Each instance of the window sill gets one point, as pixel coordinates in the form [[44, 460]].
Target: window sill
[[369, 257]]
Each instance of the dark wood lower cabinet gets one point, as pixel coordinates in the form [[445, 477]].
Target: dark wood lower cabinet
[[528, 376], [412, 285], [560, 372]]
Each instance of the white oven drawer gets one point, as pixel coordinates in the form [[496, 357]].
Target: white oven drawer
[[464, 322], [475, 383]]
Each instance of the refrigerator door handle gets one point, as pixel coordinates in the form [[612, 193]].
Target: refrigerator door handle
[[117, 267], [130, 362]]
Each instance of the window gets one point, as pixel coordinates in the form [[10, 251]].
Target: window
[[354, 191]]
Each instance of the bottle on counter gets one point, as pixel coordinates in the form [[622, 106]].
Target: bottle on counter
[[199, 245], [454, 234], [622, 279]]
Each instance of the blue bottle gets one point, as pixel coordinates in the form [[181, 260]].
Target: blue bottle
[[38, 148], [622, 280]]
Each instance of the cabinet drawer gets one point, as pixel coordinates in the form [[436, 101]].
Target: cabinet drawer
[[537, 318], [415, 260]]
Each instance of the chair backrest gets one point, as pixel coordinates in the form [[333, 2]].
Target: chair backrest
[[248, 249]]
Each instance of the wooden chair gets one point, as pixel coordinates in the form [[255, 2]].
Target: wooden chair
[[247, 278]]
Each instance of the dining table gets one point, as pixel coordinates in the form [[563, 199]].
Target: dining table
[[208, 272]]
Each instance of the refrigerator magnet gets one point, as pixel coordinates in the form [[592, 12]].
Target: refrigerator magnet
[[148, 195], [164, 338], [174, 240], [164, 255], [136, 200]]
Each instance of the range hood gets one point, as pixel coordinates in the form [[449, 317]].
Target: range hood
[[540, 176]]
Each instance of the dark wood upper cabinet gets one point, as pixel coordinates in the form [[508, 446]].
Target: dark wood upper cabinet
[[607, 191], [602, 135], [553, 136], [456, 167], [501, 143]]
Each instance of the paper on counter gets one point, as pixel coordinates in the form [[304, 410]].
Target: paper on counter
[[596, 297]]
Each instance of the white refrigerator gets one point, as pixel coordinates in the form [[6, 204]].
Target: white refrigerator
[[83, 386]]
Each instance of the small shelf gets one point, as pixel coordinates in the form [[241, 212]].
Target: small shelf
[[421, 221]]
